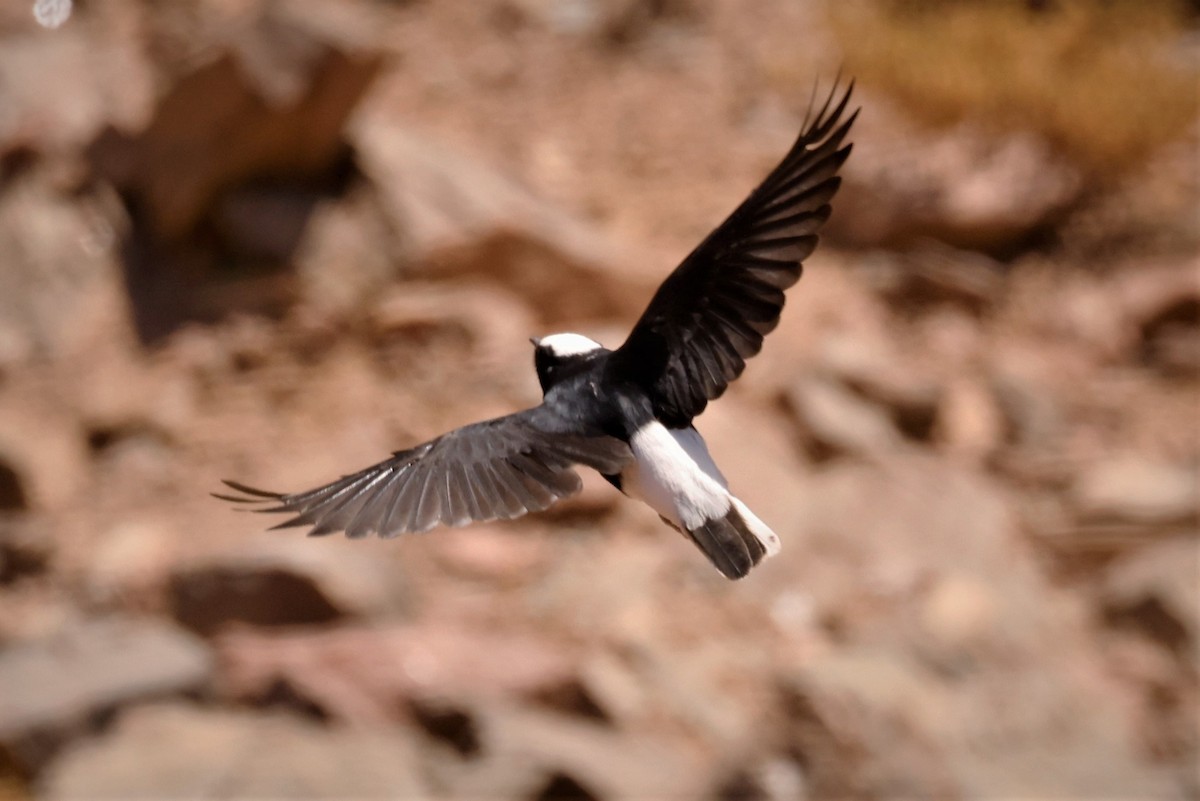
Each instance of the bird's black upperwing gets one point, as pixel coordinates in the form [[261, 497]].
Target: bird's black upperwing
[[712, 312], [496, 469]]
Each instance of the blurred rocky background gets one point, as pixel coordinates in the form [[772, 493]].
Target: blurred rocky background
[[274, 241]]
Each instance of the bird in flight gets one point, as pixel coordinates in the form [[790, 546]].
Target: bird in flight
[[626, 413]]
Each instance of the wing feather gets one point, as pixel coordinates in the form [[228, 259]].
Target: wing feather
[[712, 312], [499, 468], [366, 520]]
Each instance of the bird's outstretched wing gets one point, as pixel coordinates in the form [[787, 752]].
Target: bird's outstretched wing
[[496, 469], [712, 312]]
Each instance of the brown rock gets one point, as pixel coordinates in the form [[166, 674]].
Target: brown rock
[[1135, 490], [60, 88], [489, 324], [53, 688], [1170, 341], [1032, 415], [264, 223], [1162, 311], [615, 686], [885, 377], [851, 719], [25, 548], [919, 570], [281, 584], [835, 422], [378, 674], [534, 754], [42, 461], [875, 724], [1166, 719], [932, 275], [1154, 592], [606, 585], [964, 187], [614, 21], [773, 778], [272, 100], [491, 553], [459, 218], [175, 751], [258, 101], [887, 530], [13, 495], [60, 289], [345, 252]]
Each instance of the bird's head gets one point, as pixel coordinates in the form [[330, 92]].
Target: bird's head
[[558, 355]]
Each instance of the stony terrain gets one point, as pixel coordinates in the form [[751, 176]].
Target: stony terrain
[[276, 241]]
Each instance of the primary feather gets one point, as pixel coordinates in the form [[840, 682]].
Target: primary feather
[[712, 312]]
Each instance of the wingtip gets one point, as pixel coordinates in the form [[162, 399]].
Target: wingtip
[[252, 491], [232, 498], [294, 522], [819, 123], [853, 116], [840, 76], [837, 77], [249, 496]]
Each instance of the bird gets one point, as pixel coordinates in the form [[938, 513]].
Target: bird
[[627, 412]]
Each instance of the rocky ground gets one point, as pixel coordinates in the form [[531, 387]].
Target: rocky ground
[[275, 241]]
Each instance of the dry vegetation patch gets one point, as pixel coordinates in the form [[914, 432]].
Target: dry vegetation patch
[[1106, 82]]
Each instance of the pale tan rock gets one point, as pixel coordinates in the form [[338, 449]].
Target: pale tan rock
[[616, 687], [372, 675], [61, 291], [902, 561], [885, 376], [959, 610], [969, 423], [54, 687], [866, 704], [460, 219], [568, 755], [131, 563], [345, 254], [165, 751], [1133, 489], [491, 554], [832, 421], [61, 88], [962, 186], [42, 456]]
